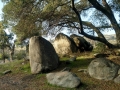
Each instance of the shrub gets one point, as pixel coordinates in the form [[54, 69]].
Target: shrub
[[20, 55], [2, 56]]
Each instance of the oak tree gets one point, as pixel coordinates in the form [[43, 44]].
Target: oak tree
[[39, 17]]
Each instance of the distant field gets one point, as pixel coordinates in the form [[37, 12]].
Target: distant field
[[111, 38]]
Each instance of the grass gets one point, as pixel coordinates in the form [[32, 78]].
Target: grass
[[21, 72], [16, 66], [80, 63]]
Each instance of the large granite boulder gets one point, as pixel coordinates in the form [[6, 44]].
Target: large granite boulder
[[81, 43], [63, 79], [103, 69], [64, 45], [42, 55]]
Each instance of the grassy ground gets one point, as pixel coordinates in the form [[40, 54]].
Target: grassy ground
[[22, 79]]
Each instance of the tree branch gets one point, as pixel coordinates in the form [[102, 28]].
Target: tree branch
[[78, 15], [103, 40], [89, 24], [107, 7]]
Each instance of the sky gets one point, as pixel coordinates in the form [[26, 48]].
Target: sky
[[1, 6]]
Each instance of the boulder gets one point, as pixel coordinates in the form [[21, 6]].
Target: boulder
[[42, 55], [103, 69], [63, 79], [117, 79], [64, 45], [81, 43]]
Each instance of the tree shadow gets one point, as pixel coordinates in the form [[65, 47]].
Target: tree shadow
[[79, 63]]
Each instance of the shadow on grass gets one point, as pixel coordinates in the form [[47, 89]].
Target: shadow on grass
[[79, 63]]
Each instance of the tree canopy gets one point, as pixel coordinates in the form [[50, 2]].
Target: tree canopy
[[5, 39], [39, 17]]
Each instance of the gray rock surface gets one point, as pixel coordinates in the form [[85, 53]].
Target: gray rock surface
[[42, 55], [117, 79], [63, 79], [103, 69]]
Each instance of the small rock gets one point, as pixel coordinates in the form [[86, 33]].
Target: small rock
[[72, 59], [7, 71], [98, 55], [83, 70], [66, 69], [119, 71]]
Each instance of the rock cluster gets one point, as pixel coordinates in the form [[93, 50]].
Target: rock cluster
[[65, 45]]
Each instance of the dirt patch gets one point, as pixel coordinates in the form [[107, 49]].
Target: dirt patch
[[12, 82]]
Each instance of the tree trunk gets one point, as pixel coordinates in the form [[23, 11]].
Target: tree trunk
[[108, 12], [27, 52], [12, 52], [27, 49], [3, 54], [11, 55], [81, 31]]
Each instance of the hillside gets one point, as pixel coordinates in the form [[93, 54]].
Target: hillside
[[111, 38]]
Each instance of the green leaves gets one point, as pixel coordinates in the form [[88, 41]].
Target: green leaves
[[27, 17]]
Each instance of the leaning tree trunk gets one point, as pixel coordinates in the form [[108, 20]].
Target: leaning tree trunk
[[81, 30], [109, 13]]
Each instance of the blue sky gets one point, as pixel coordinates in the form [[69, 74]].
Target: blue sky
[[1, 6]]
